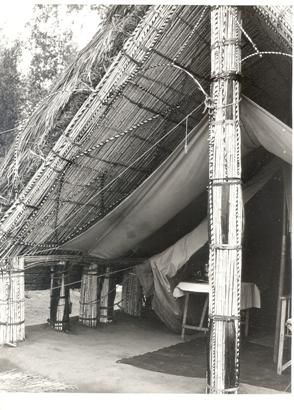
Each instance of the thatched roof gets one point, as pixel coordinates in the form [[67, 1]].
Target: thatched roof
[[101, 142], [53, 114]]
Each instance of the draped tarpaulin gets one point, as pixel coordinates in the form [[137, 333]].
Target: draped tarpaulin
[[176, 183], [165, 265]]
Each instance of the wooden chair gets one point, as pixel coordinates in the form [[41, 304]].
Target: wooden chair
[[285, 331]]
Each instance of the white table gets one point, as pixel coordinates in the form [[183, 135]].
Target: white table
[[250, 297]]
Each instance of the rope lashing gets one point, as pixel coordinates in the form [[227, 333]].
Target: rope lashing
[[279, 53], [91, 302], [98, 300], [208, 105], [228, 390], [223, 318]]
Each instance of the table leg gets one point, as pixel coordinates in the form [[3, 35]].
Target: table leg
[[205, 307], [185, 315]]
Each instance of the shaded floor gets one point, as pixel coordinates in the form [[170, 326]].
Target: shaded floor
[[189, 359], [88, 358]]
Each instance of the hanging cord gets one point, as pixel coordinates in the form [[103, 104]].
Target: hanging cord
[[280, 53], [91, 302], [257, 52], [208, 103], [193, 78], [10, 129]]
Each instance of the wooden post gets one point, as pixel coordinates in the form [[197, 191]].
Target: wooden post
[[281, 279], [12, 324], [90, 296], [107, 297], [59, 298], [225, 202]]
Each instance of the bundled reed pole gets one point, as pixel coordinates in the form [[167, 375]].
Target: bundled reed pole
[[132, 295], [108, 292], [59, 297], [12, 323], [225, 202], [90, 296]]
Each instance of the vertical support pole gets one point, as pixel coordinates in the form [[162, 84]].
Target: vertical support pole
[[225, 202], [59, 298], [281, 279], [90, 295], [12, 314], [107, 297]]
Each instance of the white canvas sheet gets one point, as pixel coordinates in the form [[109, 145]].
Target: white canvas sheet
[[176, 183]]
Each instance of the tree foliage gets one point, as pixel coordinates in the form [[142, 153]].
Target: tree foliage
[[51, 48], [11, 95]]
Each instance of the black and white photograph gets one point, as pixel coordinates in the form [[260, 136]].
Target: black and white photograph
[[145, 199]]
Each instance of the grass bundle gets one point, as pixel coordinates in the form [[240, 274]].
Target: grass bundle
[[17, 381], [90, 295], [12, 325]]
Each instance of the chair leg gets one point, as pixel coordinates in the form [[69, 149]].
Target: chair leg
[[281, 339]]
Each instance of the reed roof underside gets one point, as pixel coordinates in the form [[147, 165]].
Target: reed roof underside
[[110, 146]]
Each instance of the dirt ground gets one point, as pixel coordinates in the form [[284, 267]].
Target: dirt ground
[[87, 358]]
